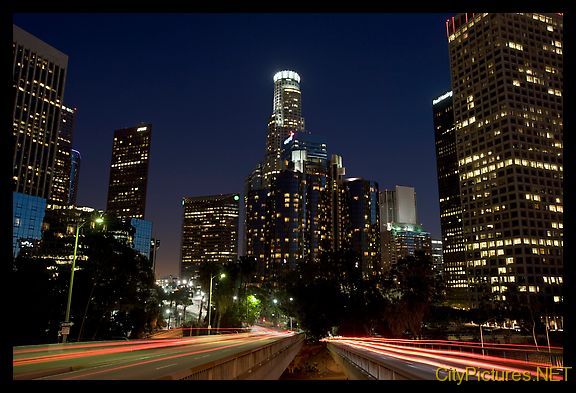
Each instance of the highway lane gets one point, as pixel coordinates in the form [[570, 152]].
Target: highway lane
[[423, 363], [135, 359]]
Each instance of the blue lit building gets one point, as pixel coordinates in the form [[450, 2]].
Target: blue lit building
[[75, 159], [141, 240], [27, 216]]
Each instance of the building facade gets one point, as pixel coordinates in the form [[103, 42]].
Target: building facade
[[75, 161], [286, 118], [209, 231], [27, 216], [363, 223], [60, 191], [129, 172], [400, 232], [142, 240], [437, 256], [39, 77], [507, 99], [450, 203]]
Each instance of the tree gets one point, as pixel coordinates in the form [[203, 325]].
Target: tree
[[114, 293], [415, 287]]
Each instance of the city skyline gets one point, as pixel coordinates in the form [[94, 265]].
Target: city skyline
[[384, 98]]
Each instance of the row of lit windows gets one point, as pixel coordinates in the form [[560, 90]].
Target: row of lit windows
[[515, 241]]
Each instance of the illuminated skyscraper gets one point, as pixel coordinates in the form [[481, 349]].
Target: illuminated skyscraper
[[450, 202], [61, 180], [209, 231], [507, 72], [129, 171], [39, 76], [286, 118]]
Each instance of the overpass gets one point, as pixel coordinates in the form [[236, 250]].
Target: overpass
[[259, 354]]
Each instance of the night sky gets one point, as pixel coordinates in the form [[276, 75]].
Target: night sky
[[204, 81]]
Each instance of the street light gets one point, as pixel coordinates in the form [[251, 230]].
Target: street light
[[481, 336], [210, 300], [66, 325]]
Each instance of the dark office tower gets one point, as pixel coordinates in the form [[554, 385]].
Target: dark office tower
[[129, 171], [364, 223], [285, 221], [255, 220], [209, 231], [286, 118], [507, 92], [450, 202], [75, 161], [337, 233], [61, 179], [39, 75]]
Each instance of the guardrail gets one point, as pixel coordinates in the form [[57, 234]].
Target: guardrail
[[372, 368], [554, 357], [266, 362]]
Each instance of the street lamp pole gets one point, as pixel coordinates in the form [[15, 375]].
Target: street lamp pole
[[210, 302], [481, 336], [66, 325]]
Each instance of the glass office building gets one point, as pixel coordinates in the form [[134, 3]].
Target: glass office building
[[28, 214]]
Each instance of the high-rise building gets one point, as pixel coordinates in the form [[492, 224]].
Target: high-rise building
[[507, 99], [255, 224], [209, 231], [400, 232], [39, 76], [397, 205], [338, 235], [450, 202], [27, 216], [286, 118], [129, 171], [364, 223], [437, 256], [306, 153], [62, 167], [75, 161]]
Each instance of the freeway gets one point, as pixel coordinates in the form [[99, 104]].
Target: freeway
[[144, 359], [438, 359]]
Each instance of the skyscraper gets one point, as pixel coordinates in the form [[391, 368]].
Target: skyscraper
[[338, 235], [39, 76], [507, 98], [401, 233], [286, 118], [437, 256], [75, 161], [129, 171], [209, 231], [364, 223], [450, 202], [61, 180]]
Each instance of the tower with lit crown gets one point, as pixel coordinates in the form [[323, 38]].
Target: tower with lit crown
[[286, 118]]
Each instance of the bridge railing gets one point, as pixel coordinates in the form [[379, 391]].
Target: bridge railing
[[242, 365], [374, 368], [553, 357]]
